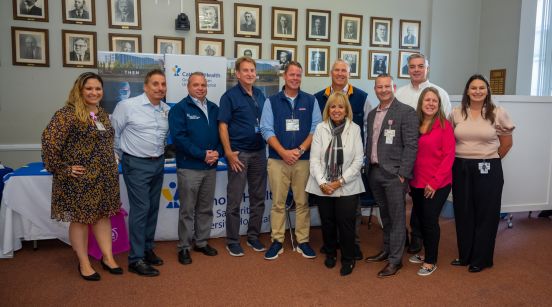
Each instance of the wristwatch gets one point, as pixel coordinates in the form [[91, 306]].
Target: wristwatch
[[301, 150]]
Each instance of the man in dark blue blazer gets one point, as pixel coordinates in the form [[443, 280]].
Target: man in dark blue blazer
[[391, 146], [194, 130]]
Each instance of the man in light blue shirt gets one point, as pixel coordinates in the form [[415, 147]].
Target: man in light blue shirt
[[288, 122], [141, 127]]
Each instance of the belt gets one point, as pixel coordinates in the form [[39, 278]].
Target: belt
[[145, 158]]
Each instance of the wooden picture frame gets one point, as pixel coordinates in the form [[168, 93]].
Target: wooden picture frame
[[353, 57], [409, 35], [381, 31], [350, 29], [253, 50], [82, 12], [124, 14], [284, 54], [79, 49], [209, 46], [37, 12], [30, 47], [284, 23], [318, 25], [317, 61], [380, 63], [209, 17], [247, 20], [131, 43], [168, 45], [402, 68]]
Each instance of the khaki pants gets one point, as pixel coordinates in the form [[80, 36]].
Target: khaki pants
[[281, 177]]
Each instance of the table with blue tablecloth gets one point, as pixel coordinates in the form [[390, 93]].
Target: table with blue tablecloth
[[25, 210]]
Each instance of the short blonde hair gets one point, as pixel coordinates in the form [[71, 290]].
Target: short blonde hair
[[338, 97]]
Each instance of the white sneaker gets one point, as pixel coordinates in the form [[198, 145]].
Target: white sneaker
[[416, 259], [425, 271]]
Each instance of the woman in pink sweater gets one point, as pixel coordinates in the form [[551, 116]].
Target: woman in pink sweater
[[432, 179]]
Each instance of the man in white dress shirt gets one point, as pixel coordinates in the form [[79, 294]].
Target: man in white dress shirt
[[141, 127], [418, 68]]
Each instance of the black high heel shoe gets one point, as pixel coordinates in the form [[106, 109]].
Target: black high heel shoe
[[114, 271], [93, 277]]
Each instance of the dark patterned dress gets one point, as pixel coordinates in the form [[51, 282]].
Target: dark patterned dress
[[65, 142]]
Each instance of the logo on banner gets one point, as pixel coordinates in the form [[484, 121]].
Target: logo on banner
[[171, 195], [176, 70]]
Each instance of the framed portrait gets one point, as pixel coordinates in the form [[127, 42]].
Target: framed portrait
[[124, 14], [209, 46], [350, 29], [125, 42], [168, 45], [31, 10], [351, 56], [318, 25], [284, 23], [209, 17], [252, 50], [380, 31], [402, 72], [82, 12], [284, 54], [30, 47], [247, 20], [317, 61], [79, 48], [380, 62], [409, 34]]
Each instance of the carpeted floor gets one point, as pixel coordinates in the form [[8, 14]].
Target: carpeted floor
[[521, 276]]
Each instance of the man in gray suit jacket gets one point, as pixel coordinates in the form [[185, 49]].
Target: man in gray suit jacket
[[391, 145]]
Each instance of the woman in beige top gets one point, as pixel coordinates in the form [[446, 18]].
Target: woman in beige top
[[483, 133]]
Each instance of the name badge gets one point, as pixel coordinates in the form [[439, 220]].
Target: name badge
[[484, 167], [99, 125], [389, 135], [292, 124]]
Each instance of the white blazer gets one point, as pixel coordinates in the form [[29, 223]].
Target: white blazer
[[352, 159]]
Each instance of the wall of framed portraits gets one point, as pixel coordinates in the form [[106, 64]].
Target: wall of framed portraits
[[51, 47]]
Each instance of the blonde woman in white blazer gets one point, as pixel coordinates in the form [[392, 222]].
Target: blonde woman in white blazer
[[335, 163]]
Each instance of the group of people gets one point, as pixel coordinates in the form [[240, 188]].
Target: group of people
[[319, 147]]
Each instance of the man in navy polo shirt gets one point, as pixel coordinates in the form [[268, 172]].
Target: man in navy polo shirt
[[194, 130], [245, 151], [288, 122]]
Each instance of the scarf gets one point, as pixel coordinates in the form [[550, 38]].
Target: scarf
[[334, 154]]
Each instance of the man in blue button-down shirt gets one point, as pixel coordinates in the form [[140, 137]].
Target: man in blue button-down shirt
[[245, 151], [141, 127], [194, 130], [287, 124]]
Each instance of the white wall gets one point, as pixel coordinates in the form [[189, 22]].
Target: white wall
[[526, 46], [498, 39]]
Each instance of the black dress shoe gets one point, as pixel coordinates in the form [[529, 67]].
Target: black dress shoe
[[457, 262], [474, 269], [415, 245], [184, 257], [346, 267], [151, 258], [390, 270], [92, 277], [207, 250], [330, 261], [381, 256], [115, 271], [142, 268], [358, 252]]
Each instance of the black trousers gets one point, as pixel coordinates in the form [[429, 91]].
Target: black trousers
[[338, 216], [428, 210], [415, 225], [477, 199]]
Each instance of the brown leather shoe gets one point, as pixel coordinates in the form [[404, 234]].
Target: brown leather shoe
[[381, 256], [390, 270]]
